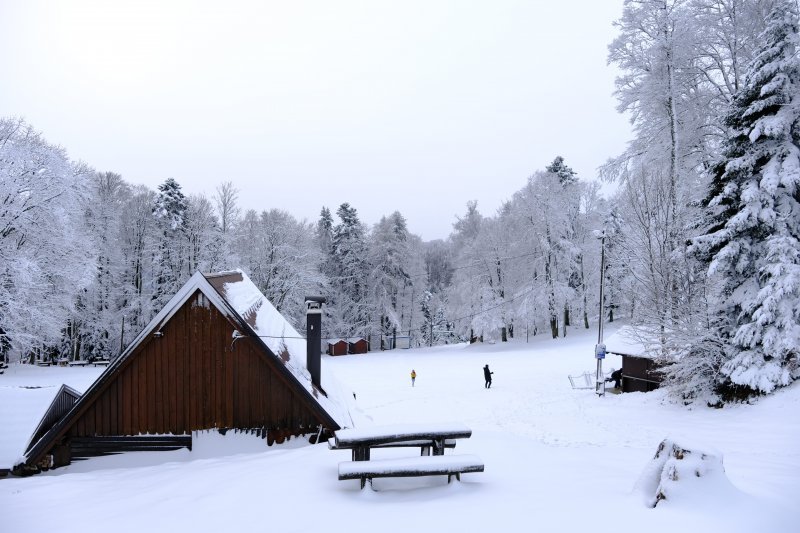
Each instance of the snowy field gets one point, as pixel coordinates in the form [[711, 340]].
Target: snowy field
[[556, 459]]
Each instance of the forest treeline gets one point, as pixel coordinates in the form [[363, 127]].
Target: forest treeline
[[700, 237]]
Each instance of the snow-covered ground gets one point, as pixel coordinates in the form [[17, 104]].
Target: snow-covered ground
[[556, 459]]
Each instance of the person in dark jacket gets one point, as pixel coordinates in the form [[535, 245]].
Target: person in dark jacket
[[488, 377], [616, 377]]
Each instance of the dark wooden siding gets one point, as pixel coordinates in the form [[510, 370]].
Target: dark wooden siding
[[639, 374], [196, 377], [359, 346], [337, 348]]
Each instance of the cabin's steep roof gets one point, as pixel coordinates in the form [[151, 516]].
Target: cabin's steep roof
[[243, 297]]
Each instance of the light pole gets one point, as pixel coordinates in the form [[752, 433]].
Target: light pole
[[600, 348]]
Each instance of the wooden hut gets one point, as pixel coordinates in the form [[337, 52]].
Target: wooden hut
[[639, 374], [639, 369], [218, 356], [357, 345], [337, 347]]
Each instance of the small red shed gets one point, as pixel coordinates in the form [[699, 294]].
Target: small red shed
[[357, 345], [337, 347]]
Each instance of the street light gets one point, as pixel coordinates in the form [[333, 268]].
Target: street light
[[600, 348]]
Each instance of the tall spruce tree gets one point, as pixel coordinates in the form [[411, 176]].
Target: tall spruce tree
[[349, 272], [170, 213], [752, 240]]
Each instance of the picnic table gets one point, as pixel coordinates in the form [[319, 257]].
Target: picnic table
[[428, 437], [432, 439]]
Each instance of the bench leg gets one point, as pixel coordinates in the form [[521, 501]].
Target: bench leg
[[364, 481], [425, 450], [457, 474]]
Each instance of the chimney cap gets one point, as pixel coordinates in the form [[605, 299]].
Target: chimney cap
[[314, 305]]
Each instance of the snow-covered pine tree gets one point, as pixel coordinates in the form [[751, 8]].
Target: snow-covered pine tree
[[349, 270], [752, 241], [170, 212], [566, 176]]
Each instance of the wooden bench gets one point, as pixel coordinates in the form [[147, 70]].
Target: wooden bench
[[78, 363], [85, 447], [449, 465], [100, 362]]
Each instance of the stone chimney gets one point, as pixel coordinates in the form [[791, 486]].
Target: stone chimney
[[314, 337]]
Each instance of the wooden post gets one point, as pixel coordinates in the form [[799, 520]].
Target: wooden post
[[122, 336]]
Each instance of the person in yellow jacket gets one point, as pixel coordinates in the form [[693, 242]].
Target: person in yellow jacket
[[413, 376]]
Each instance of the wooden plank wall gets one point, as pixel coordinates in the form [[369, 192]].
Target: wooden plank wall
[[195, 377]]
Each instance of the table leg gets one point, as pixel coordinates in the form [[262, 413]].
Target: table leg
[[438, 447], [361, 453]]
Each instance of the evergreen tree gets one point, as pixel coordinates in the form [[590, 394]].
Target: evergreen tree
[[566, 176], [752, 241], [170, 213], [349, 272]]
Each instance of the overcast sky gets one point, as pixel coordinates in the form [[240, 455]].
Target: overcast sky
[[411, 106]]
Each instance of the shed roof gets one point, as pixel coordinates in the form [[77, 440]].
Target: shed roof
[[627, 341]]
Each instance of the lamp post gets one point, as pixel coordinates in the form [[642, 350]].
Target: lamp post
[[600, 348]]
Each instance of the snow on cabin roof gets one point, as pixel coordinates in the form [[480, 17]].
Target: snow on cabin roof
[[21, 409], [335, 341], [280, 337], [355, 339], [626, 341]]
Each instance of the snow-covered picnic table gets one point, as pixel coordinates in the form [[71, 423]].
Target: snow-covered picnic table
[[426, 436], [429, 437]]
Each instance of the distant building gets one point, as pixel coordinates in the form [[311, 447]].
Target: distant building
[[640, 372], [336, 347], [357, 345]]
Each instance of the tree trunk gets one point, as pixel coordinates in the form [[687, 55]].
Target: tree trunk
[[503, 334]]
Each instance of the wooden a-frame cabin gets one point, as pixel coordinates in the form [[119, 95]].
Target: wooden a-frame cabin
[[218, 356]]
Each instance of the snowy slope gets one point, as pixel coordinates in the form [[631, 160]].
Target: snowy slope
[[556, 459]]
